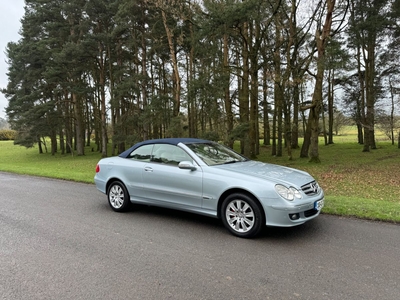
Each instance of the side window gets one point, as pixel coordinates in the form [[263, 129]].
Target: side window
[[169, 154], [142, 153]]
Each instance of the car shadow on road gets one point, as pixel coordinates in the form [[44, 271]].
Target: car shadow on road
[[176, 215], [308, 230]]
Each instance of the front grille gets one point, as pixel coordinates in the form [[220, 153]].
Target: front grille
[[311, 188], [310, 212]]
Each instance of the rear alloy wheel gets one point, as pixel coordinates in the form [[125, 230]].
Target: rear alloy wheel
[[118, 197], [242, 215]]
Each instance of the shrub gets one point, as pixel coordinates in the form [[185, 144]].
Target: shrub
[[7, 135]]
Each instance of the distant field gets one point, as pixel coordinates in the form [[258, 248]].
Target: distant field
[[364, 185]]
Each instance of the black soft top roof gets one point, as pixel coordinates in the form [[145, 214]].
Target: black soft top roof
[[170, 141]]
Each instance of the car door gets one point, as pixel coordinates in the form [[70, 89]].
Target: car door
[[166, 184], [131, 171]]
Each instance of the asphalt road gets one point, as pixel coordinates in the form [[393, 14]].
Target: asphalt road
[[60, 240]]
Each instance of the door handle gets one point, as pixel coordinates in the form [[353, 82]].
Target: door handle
[[148, 169]]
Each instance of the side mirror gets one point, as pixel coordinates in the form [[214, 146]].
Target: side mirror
[[187, 165]]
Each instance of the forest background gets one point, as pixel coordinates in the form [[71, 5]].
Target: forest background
[[263, 73], [252, 70]]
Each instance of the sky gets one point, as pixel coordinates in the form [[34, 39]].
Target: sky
[[11, 12]]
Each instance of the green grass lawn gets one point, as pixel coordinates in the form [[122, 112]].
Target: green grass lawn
[[20, 160], [363, 185]]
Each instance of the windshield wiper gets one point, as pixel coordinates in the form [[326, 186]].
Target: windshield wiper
[[230, 162]]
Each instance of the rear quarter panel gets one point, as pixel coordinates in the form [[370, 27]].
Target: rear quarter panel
[[128, 171]]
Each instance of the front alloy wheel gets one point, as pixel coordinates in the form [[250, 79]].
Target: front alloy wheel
[[242, 215], [118, 197]]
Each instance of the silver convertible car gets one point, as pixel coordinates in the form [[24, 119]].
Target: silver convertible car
[[207, 178]]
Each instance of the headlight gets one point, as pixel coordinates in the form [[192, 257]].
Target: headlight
[[287, 193]]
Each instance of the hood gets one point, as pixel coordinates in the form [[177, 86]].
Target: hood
[[271, 172]]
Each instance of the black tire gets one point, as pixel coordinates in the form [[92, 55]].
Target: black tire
[[118, 197], [242, 215]]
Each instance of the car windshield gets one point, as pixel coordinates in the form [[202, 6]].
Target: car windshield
[[215, 154]]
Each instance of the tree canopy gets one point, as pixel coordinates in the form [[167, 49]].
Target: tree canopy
[[121, 71]]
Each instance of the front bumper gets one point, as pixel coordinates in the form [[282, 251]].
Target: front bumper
[[288, 216]]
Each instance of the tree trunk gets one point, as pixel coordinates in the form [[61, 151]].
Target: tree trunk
[[361, 102], [191, 94], [391, 110], [321, 39], [278, 88], [68, 121], [53, 139], [227, 95], [307, 136], [369, 61], [79, 125], [176, 76], [331, 79], [295, 124], [244, 95], [253, 134], [267, 131], [324, 127], [274, 117], [102, 87]]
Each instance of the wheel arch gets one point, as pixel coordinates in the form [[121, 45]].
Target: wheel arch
[[111, 180], [234, 191]]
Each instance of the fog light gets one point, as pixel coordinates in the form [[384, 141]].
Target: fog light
[[294, 216]]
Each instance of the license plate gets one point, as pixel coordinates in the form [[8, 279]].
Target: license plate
[[318, 205]]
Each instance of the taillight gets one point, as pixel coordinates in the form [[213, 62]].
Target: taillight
[[97, 169]]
